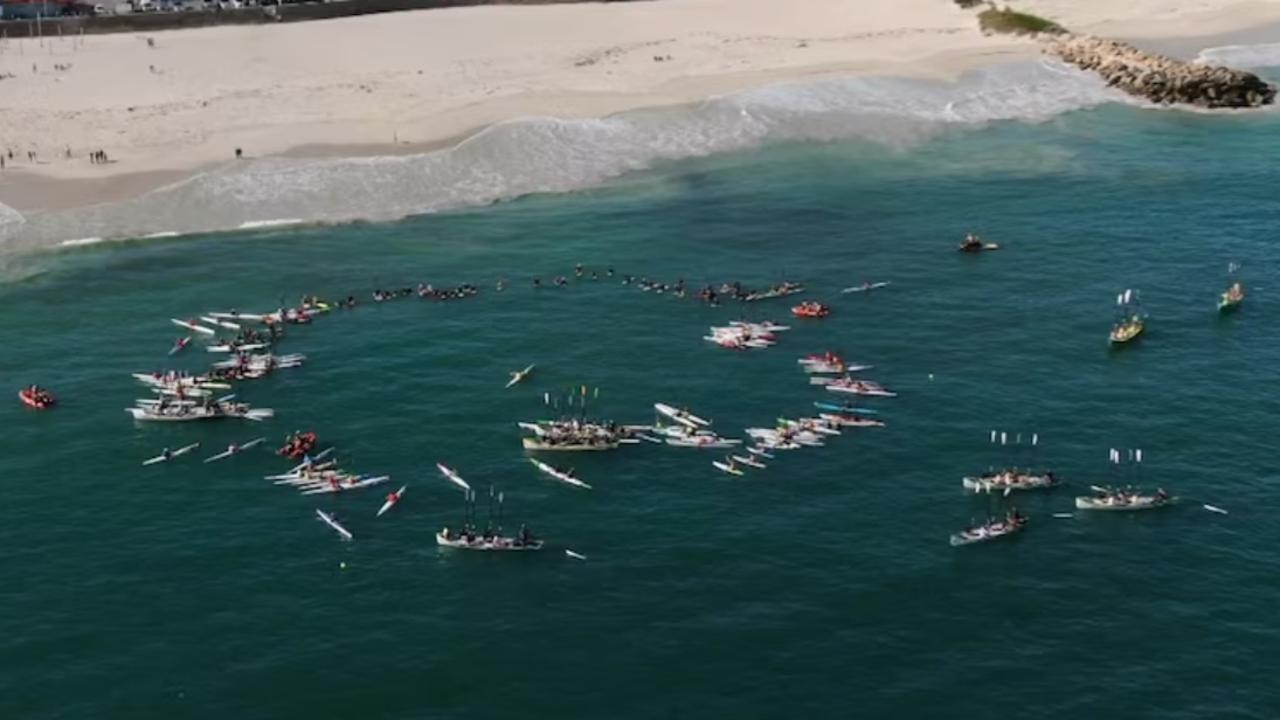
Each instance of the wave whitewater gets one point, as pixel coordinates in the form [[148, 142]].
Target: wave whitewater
[[535, 155]]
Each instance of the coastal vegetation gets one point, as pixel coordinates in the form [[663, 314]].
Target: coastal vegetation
[[994, 20]]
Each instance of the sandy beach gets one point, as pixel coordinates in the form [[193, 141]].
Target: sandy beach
[[166, 105]]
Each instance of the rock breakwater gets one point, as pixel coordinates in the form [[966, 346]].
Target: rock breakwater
[[1163, 79]]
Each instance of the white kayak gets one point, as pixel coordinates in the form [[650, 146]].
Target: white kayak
[[220, 323], [766, 326], [314, 480], [235, 449], [325, 488], [856, 387], [328, 520], [560, 475], [519, 376], [683, 417], [392, 499], [180, 345], [865, 287], [192, 326], [162, 457], [574, 555], [748, 461], [726, 468], [229, 347], [760, 452], [452, 476], [251, 317]]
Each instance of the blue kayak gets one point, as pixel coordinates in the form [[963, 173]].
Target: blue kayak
[[843, 408]]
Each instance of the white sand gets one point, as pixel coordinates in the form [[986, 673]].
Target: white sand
[[424, 77]]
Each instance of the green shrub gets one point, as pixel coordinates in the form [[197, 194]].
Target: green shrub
[[1008, 21]]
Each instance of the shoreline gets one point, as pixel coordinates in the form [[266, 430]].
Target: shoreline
[[949, 46], [57, 187]]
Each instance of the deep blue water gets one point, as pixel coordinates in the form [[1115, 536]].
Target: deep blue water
[[823, 586]]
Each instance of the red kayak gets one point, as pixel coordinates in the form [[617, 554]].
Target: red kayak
[[36, 398]]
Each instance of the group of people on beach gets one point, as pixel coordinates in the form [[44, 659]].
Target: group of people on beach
[[98, 157]]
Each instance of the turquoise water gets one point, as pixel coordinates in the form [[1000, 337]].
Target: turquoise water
[[822, 587]]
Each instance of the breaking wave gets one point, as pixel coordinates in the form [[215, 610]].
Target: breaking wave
[[1242, 56], [553, 155]]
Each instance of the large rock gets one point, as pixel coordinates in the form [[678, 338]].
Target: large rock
[[1162, 79]]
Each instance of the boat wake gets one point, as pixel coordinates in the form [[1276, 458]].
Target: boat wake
[[534, 155]]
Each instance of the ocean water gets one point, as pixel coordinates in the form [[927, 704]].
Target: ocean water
[[823, 586]]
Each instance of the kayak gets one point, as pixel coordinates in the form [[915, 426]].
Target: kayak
[[324, 488], [252, 317], [683, 417], [844, 408], [767, 326], [983, 533], [856, 387], [392, 499], [229, 347], [748, 461], [560, 475], [520, 375], [192, 326], [726, 468], [315, 479], [176, 453], [453, 476], [180, 345], [574, 555], [493, 543], [808, 425], [865, 287], [1127, 504], [234, 449], [328, 520], [221, 323], [760, 452], [850, 421]]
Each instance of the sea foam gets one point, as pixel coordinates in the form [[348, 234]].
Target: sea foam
[[1242, 56], [532, 155]]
